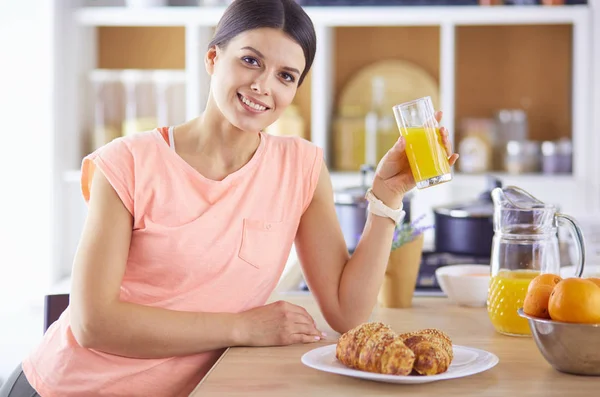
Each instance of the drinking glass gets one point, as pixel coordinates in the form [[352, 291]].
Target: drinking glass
[[424, 148]]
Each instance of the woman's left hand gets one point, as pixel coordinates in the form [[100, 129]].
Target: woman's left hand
[[394, 178]]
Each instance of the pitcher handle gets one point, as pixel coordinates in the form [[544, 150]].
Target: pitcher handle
[[579, 241]]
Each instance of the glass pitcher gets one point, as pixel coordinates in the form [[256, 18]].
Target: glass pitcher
[[525, 244]]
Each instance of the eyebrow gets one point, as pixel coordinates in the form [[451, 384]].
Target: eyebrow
[[288, 68]]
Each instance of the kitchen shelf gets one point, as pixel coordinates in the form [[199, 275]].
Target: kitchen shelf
[[124, 38], [345, 16]]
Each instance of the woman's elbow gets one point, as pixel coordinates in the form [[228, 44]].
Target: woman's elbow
[[87, 330], [343, 325]]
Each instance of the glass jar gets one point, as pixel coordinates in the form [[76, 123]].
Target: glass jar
[[140, 101], [169, 89], [107, 107]]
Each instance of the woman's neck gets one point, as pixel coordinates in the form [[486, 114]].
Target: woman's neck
[[214, 146]]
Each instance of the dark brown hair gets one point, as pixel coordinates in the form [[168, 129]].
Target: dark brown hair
[[286, 15]]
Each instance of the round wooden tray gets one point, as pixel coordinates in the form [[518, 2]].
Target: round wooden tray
[[404, 81]]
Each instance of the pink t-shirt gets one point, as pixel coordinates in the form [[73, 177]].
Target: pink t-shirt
[[197, 245]]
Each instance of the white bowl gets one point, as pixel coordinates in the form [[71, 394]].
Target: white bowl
[[465, 285]]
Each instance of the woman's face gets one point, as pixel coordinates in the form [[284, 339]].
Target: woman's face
[[255, 77]]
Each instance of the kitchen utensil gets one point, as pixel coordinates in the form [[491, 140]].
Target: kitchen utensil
[[426, 154], [568, 347], [525, 244], [467, 227], [351, 208], [467, 361], [465, 285]]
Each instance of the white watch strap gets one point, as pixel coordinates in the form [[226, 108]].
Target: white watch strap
[[377, 207]]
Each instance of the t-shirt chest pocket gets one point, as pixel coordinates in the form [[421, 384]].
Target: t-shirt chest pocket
[[265, 244]]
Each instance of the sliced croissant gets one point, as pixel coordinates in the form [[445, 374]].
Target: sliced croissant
[[374, 347]]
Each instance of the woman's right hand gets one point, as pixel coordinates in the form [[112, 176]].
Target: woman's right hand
[[276, 324]]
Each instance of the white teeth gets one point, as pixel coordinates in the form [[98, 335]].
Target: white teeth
[[252, 104]]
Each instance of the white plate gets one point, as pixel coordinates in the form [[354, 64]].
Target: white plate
[[467, 361]]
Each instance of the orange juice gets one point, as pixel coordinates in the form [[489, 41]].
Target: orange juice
[[506, 295], [425, 152]]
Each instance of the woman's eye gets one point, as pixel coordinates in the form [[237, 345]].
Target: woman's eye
[[288, 77], [250, 61]]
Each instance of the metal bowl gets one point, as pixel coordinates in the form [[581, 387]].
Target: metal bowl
[[569, 348]]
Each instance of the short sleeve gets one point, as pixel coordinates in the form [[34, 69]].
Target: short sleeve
[[116, 162], [313, 161]]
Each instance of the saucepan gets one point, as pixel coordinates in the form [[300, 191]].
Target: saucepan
[[351, 207], [467, 228]]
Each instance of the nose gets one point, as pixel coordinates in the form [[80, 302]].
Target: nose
[[260, 85]]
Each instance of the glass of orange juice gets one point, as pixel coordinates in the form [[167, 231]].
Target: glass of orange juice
[[424, 148]]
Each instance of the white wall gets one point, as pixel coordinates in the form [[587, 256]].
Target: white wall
[[26, 128]]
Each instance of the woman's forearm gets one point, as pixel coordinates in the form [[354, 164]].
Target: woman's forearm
[[138, 331], [365, 270]]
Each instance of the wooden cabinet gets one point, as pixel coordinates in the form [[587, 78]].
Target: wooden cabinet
[[517, 67]]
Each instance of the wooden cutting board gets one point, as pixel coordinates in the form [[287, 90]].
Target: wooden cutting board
[[404, 80]]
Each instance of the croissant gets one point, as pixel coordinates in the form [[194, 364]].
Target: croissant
[[374, 347], [432, 357], [436, 334]]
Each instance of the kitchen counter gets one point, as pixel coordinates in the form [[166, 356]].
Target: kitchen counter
[[277, 371]]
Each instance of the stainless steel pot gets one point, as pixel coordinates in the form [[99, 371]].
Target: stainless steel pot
[[466, 228], [351, 208]]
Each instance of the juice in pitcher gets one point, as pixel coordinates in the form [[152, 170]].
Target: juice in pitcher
[[507, 292], [425, 152]]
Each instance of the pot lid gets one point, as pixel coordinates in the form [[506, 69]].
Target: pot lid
[[354, 194], [351, 195], [474, 209], [482, 207]]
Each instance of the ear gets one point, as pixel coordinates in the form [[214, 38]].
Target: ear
[[210, 60]]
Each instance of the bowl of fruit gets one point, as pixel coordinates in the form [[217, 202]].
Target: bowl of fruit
[[564, 318]]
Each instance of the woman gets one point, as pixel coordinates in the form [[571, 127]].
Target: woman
[[189, 229]]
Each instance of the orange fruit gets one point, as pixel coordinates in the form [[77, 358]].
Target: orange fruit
[[594, 280], [537, 300], [575, 300], [544, 279]]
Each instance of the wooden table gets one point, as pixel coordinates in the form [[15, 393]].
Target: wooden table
[[277, 371]]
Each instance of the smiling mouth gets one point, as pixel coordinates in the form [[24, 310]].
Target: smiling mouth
[[252, 106]]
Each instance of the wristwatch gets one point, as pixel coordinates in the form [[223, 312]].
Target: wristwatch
[[377, 207]]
